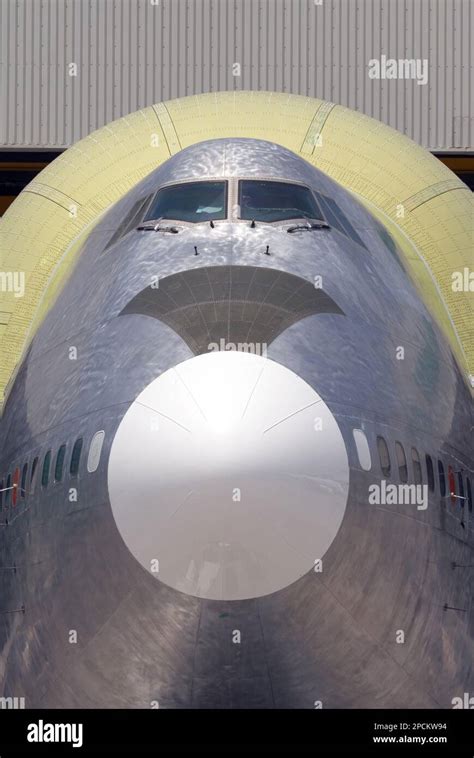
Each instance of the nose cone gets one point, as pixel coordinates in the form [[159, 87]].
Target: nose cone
[[228, 477]]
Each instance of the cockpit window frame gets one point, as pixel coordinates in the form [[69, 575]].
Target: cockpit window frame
[[279, 222], [196, 180], [343, 226]]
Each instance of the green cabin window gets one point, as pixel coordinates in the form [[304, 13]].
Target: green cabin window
[[75, 457], [46, 467]]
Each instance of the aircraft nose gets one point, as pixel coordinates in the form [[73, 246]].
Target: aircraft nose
[[228, 476]]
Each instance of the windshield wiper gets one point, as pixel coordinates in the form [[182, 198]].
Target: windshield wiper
[[153, 225], [316, 223], [309, 226]]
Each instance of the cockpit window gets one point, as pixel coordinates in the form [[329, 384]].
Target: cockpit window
[[190, 201], [276, 201]]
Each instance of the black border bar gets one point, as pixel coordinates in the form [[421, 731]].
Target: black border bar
[[276, 732]]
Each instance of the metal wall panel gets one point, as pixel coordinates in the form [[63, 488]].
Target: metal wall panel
[[132, 53]]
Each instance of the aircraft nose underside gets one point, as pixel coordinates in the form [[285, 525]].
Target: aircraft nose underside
[[240, 304], [228, 477]]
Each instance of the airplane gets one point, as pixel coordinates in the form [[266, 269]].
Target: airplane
[[235, 468]]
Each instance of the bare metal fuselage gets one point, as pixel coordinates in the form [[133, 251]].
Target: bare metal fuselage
[[332, 636]]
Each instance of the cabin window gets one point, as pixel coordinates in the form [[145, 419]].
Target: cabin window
[[417, 473], [95, 450], [402, 462], [16, 484], [23, 480], [46, 467], [442, 479], [34, 471], [75, 457], [363, 450], [8, 488], [452, 484], [430, 473], [58, 468], [384, 456], [461, 489]]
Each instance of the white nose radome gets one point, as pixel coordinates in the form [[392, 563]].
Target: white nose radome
[[228, 477]]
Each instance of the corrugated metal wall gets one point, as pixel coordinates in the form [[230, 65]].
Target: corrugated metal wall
[[132, 53]]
